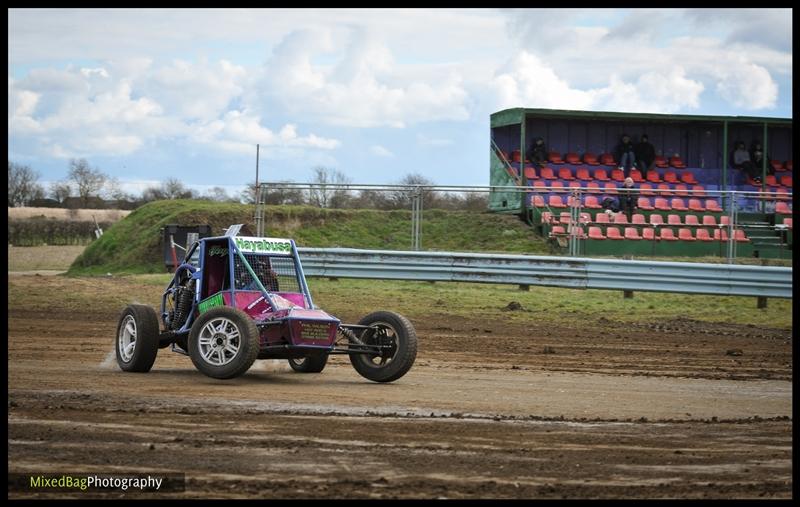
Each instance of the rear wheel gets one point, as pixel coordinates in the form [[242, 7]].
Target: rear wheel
[[137, 338], [223, 342], [314, 363], [398, 339]]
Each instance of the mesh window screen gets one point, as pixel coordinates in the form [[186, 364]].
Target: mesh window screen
[[277, 274]]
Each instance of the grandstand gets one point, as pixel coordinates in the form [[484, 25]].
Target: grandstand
[[687, 203]]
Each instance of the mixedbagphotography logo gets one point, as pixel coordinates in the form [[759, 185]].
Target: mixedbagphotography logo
[[83, 482]]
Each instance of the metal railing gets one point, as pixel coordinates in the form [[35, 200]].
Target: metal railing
[[569, 272]]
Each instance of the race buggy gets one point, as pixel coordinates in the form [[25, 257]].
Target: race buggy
[[236, 299]]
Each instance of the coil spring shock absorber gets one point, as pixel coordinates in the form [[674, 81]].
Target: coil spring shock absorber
[[184, 296]]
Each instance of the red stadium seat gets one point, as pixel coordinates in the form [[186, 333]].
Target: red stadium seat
[[515, 156], [632, 233], [620, 218], [654, 177], [565, 217], [591, 159], [547, 217], [574, 184], [573, 158], [613, 233], [591, 202], [660, 162], [584, 217], [787, 222], [538, 201], [646, 189], [776, 165], [610, 187], [557, 231], [673, 219], [667, 234], [636, 175], [607, 159], [740, 236], [638, 218], [671, 177], [565, 173], [602, 218], [664, 190], [709, 220], [720, 235], [702, 235], [643, 203], [596, 233], [649, 234], [699, 191], [662, 204], [547, 173], [555, 201], [617, 175], [782, 208], [782, 193], [681, 190], [691, 220], [583, 174], [576, 230], [771, 180], [685, 234], [540, 186], [593, 186], [713, 205], [530, 173], [601, 175], [695, 205], [555, 157], [688, 177], [556, 185], [678, 204], [786, 181], [676, 162], [724, 220], [656, 219], [573, 201]]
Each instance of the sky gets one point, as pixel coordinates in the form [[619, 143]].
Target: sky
[[376, 94]]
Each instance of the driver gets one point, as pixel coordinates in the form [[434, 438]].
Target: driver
[[263, 270]]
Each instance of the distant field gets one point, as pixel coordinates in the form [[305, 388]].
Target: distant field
[[36, 258], [102, 215]]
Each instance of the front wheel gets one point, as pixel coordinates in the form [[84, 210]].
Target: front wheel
[[137, 338], [223, 342], [314, 363], [398, 339]]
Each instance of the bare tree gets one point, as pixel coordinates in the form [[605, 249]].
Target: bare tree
[[23, 184], [402, 198], [173, 188], [217, 194], [323, 197], [273, 196], [88, 181], [60, 190]]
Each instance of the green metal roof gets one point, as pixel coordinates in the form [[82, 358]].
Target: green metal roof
[[514, 116]]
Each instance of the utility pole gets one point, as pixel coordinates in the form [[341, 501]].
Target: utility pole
[[258, 215]]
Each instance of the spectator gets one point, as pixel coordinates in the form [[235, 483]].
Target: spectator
[[757, 158], [628, 198], [645, 154], [625, 154], [538, 154], [741, 160]]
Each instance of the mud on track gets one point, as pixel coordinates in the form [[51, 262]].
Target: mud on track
[[647, 411]]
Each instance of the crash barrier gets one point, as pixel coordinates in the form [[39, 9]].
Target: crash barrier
[[569, 272]]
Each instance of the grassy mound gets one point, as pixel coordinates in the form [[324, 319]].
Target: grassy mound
[[133, 245]]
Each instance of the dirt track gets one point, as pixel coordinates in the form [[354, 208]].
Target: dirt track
[[666, 411]]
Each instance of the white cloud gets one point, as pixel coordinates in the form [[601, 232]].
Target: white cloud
[[380, 151], [365, 88], [750, 87]]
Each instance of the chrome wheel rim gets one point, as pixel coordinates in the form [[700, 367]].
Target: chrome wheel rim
[[219, 341], [126, 341]]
